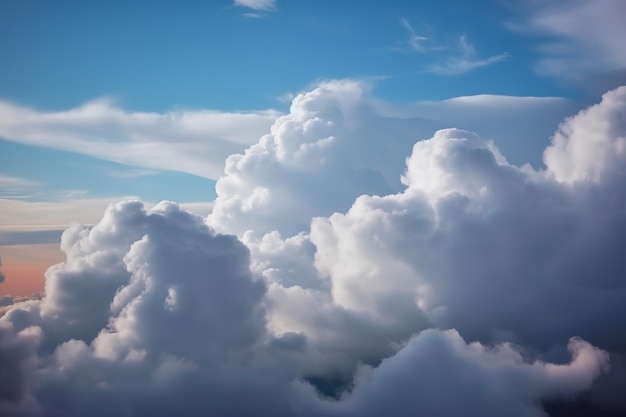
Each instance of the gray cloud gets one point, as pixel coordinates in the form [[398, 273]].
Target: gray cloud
[[29, 237], [438, 374]]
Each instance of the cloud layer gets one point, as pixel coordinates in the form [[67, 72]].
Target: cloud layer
[[337, 278], [580, 36], [194, 142]]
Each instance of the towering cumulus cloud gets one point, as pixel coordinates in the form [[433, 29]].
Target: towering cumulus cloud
[[285, 179], [327, 282]]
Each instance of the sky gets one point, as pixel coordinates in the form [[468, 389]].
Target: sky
[[342, 208]]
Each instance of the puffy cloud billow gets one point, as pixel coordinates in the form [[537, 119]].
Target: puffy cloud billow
[[337, 278]]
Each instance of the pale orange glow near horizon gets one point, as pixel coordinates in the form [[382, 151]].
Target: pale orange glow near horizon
[[25, 265]]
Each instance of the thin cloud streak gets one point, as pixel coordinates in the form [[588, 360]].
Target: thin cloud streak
[[8, 181], [16, 187], [416, 42], [194, 141], [580, 37], [261, 5], [467, 60], [463, 61], [456, 66]]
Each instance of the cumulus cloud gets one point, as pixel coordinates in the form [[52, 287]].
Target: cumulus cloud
[[26, 222], [437, 374], [194, 142], [185, 331], [281, 182], [331, 271], [144, 297], [8, 302], [339, 133], [580, 150], [473, 242], [17, 351]]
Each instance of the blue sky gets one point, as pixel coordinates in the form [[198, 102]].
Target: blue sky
[[168, 60], [164, 55]]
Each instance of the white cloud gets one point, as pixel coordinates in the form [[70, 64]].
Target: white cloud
[[7, 181], [339, 134], [24, 221], [580, 149], [462, 65], [106, 331], [262, 5], [15, 187], [416, 42], [346, 274], [581, 36], [466, 60], [195, 142], [474, 240], [154, 312], [198, 142], [462, 56]]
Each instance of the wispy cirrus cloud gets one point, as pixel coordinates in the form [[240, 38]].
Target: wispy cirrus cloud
[[465, 60], [10, 181], [459, 58], [417, 43], [260, 7], [192, 141], [578, 36], [15, 187]]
